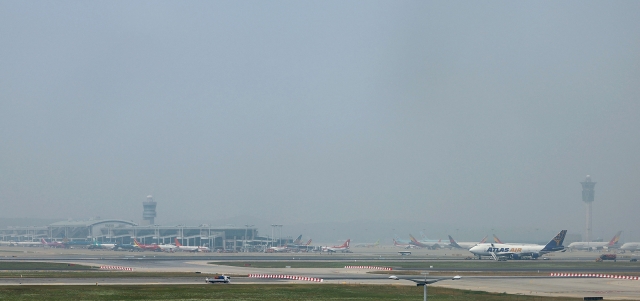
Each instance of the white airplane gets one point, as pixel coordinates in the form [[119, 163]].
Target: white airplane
[[284, 248], [341, 248], [20, 243], [100, 245], [595, 245], [368, 245], [630, 246], [517, 251], [464, 245], [167, 248], [402, 245], [180, 247]]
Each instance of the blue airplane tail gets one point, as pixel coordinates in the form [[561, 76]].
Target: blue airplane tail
[[556, 243]]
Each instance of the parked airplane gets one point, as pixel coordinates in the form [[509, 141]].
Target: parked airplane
[[167, 247], [430, 244], [190, 248], [630, 246], [276, 249], [100, 245], [465, 245], [77, 243], [402, 245], [21, 243], [595, 245], [301, 246], [53, 244], [128, 247], [517, 251], [368, 245], [298, 240], [341, 248], [496, 239], [150, 247]]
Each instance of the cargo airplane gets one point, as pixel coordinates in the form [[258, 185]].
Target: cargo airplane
[[518, 251]]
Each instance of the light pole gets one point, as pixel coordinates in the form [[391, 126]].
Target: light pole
[[280, 235], [426, 282], [273, 226], [425, 285], [244, 244]]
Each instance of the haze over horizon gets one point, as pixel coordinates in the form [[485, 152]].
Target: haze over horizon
[[460, 115]]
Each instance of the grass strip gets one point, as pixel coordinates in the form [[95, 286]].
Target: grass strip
[[49, 266], [105, 274], [285, 292]]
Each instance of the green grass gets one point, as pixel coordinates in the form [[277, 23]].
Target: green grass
[[50, 266], [278, 292], [466, 264], [102, 274]]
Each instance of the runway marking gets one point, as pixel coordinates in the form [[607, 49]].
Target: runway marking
[[289, 277], [113, 267], [367, 267]]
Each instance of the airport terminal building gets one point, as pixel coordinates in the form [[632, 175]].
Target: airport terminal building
[[123, 232]]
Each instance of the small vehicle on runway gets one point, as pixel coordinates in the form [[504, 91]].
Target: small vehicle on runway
[[394, 277], [604, 257], [218, 279]]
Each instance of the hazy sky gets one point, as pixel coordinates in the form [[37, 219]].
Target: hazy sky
[[463, 113]]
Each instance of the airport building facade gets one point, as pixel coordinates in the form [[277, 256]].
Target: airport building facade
[[123, 232]]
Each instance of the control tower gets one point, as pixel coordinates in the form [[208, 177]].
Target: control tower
[[149, 212], [587, 197]]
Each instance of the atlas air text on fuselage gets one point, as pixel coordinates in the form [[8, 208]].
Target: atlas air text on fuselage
[[503, 250]]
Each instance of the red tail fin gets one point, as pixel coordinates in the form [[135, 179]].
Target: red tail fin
[[177, 242], [615, 239]]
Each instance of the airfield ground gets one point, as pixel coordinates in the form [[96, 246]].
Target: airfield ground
[[176, 272]]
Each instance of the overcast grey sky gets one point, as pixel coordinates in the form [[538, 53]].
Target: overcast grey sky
[[463, 113]]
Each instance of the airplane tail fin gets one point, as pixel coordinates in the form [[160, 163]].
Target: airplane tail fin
[[453, 242], [135, 242], [496, 239], [483, 240], [308, 242], [44, 242], [178, 244], [346, 243], [615, 239], [556, 243], [413, 239], [298, 240]]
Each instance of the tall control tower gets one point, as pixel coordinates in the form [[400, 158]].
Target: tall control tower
[[587, 197], [149, 212]]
